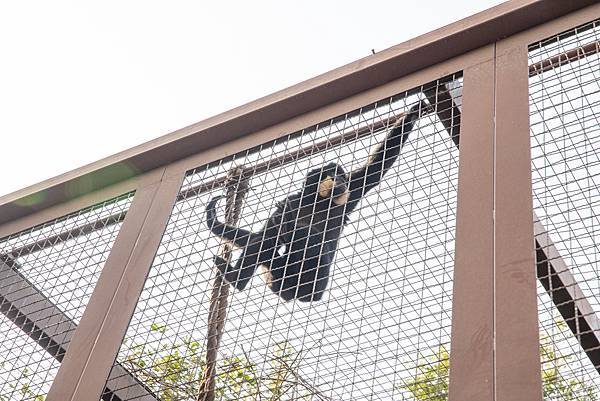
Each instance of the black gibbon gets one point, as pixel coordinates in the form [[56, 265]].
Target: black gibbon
[[297, 245]]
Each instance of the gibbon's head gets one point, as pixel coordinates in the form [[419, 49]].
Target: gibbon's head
[[329, 181]]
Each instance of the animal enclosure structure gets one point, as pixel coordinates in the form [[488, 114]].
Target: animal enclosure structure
[[471, 271]]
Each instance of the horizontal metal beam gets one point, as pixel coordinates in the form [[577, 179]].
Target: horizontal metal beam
[[564, 58], [64, 236], [32, 312], [383, 67], [347, 136]]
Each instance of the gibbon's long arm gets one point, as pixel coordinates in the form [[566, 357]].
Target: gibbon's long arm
[[383, 157]]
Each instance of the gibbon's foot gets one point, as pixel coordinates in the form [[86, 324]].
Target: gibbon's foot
[[230, 274]]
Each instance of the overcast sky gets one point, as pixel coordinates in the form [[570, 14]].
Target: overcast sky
[[82, 80]]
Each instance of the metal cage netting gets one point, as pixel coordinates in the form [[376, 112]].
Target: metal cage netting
[[565, 140], [47, 275], [385, 318]]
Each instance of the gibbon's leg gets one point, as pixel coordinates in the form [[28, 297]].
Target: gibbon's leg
[[237, 276], [283, 272], [303, 272], [244, 269], [275, 272], [314, 275]]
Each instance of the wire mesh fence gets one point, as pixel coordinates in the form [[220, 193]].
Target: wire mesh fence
[[382, 327], [565, 139], [319, 266], [47, 274]]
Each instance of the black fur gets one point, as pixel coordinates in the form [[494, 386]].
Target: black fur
[[308, 225]]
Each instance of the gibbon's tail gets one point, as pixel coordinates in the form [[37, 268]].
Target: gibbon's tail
[[238, 236], [219, 229]]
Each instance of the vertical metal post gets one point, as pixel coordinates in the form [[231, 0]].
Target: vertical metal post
[[517, 356], [495, 338], [471, 350], [96, 341]]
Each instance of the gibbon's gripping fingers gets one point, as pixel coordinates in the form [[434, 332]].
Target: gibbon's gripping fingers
[[406, 120], [422, 108], [258, 252]]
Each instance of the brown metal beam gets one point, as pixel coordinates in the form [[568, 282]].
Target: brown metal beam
[[38, 317], [94, 319], [116, 295], [566, 294], [562, 287], [564, 58], [432, 48], [472, 349], [517, 372], [65, 236]]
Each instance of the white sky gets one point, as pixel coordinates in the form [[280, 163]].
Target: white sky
[[82, 80]]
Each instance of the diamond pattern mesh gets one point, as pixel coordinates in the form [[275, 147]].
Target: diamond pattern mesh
[[47, 275], [385, 317], [565, 140]]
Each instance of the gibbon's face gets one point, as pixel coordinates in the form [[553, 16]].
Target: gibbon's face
[[333, 183]]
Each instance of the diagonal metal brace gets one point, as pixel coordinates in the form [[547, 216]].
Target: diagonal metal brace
[[38, 317], [552, 271], [566, 294]]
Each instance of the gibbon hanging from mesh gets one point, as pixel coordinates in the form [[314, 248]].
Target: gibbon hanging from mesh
[[297, 245]]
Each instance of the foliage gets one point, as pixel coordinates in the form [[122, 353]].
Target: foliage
[[555, 385], [431, 380], [173, 372], [22, 387], [282, 380], [430, 383]]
